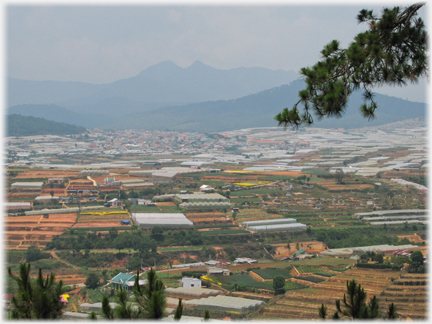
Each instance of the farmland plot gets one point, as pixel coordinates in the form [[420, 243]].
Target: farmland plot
[[303, 304], [105, 219], [23, 231]]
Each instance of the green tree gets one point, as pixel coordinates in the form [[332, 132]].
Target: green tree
[[92, 280], [339, 175], [354, 303], [179, 310], [92, 316], [417, 259], [392, 312], [322, 312], [36, 299], [393, 51], [150, 298], [34, 254], [206, 315], [278, 284]]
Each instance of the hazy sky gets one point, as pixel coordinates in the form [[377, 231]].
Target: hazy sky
[[105, 42]]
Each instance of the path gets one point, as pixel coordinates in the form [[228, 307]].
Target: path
[[94, 182], [55, 256]]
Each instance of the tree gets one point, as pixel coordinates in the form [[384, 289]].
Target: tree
[[179, 310], [339, 175], [92, 280], [206, 315], [34, 254], [36, 299], [392, 312], [150, 298], [354, 303], [278, 284], [393, 51], [417, 259], [322, 312]]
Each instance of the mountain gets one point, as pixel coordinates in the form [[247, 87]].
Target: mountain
[[163, 84], [258, 110], [60, 114], [18, 125]]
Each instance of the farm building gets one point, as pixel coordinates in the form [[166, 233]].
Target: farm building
[[193, 292], [189, 265], [364, 249], [96, 307], [17, 205], [269, 222], [125, 281], [277, 227], [26, 185], [149, 220], [206, 205], [55, 180], [201, 197], [225, 304], [206, 188], [78, 316], [190, 282], [391, 212]]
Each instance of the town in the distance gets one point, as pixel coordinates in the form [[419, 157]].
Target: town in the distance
[[254, 224]]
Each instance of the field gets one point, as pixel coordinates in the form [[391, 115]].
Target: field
[[47, 174], [303, 304], [207, 218], [270, 273], [23, 231], [107, 219]]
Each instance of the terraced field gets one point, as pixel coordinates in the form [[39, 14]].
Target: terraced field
[[23, 231], [303, 304]]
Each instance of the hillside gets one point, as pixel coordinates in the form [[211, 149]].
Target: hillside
[[164, 84], [18, 125], [258, 110]]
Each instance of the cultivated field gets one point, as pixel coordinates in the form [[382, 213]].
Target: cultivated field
[[23, 231], [104, 219], [47, 174]]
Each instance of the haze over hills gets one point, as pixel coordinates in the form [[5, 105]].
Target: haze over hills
[[257, 110], [164, 84], [197, 98]]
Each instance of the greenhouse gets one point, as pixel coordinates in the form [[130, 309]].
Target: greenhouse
[[391, 212], [96, 307], [149, 220], [205, 197], [225, 304], [27, 185], [203, 205], [269, 222], [193, 292], [277, 227]]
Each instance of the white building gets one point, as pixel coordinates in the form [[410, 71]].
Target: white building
[[191, 282]]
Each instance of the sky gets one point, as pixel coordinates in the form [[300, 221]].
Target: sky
[[107, 41]]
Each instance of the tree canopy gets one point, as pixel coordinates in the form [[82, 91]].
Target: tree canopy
[[393, 51]]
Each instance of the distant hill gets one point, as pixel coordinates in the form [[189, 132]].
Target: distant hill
[[161, 85], [60, 114], [18, 125], [258, 110]]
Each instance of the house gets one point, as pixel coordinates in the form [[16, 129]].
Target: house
[[114, 203], [218, 271], [191, 282], [206, 188], [55, 180], [125, 281]]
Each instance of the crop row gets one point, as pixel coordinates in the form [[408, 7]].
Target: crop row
[[270, 273]]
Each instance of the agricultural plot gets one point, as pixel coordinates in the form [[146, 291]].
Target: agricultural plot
[[29, 174], [219, 229], [270, 273], [313, 270], [303, 304], [409, 292], [230, 282], [208, 218], [155, 209], [102, 219], [23, 231], [254, 215]]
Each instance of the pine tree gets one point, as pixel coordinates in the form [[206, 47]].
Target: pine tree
[[206, 315], [36, 299], [393, 51], [179, 310]]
